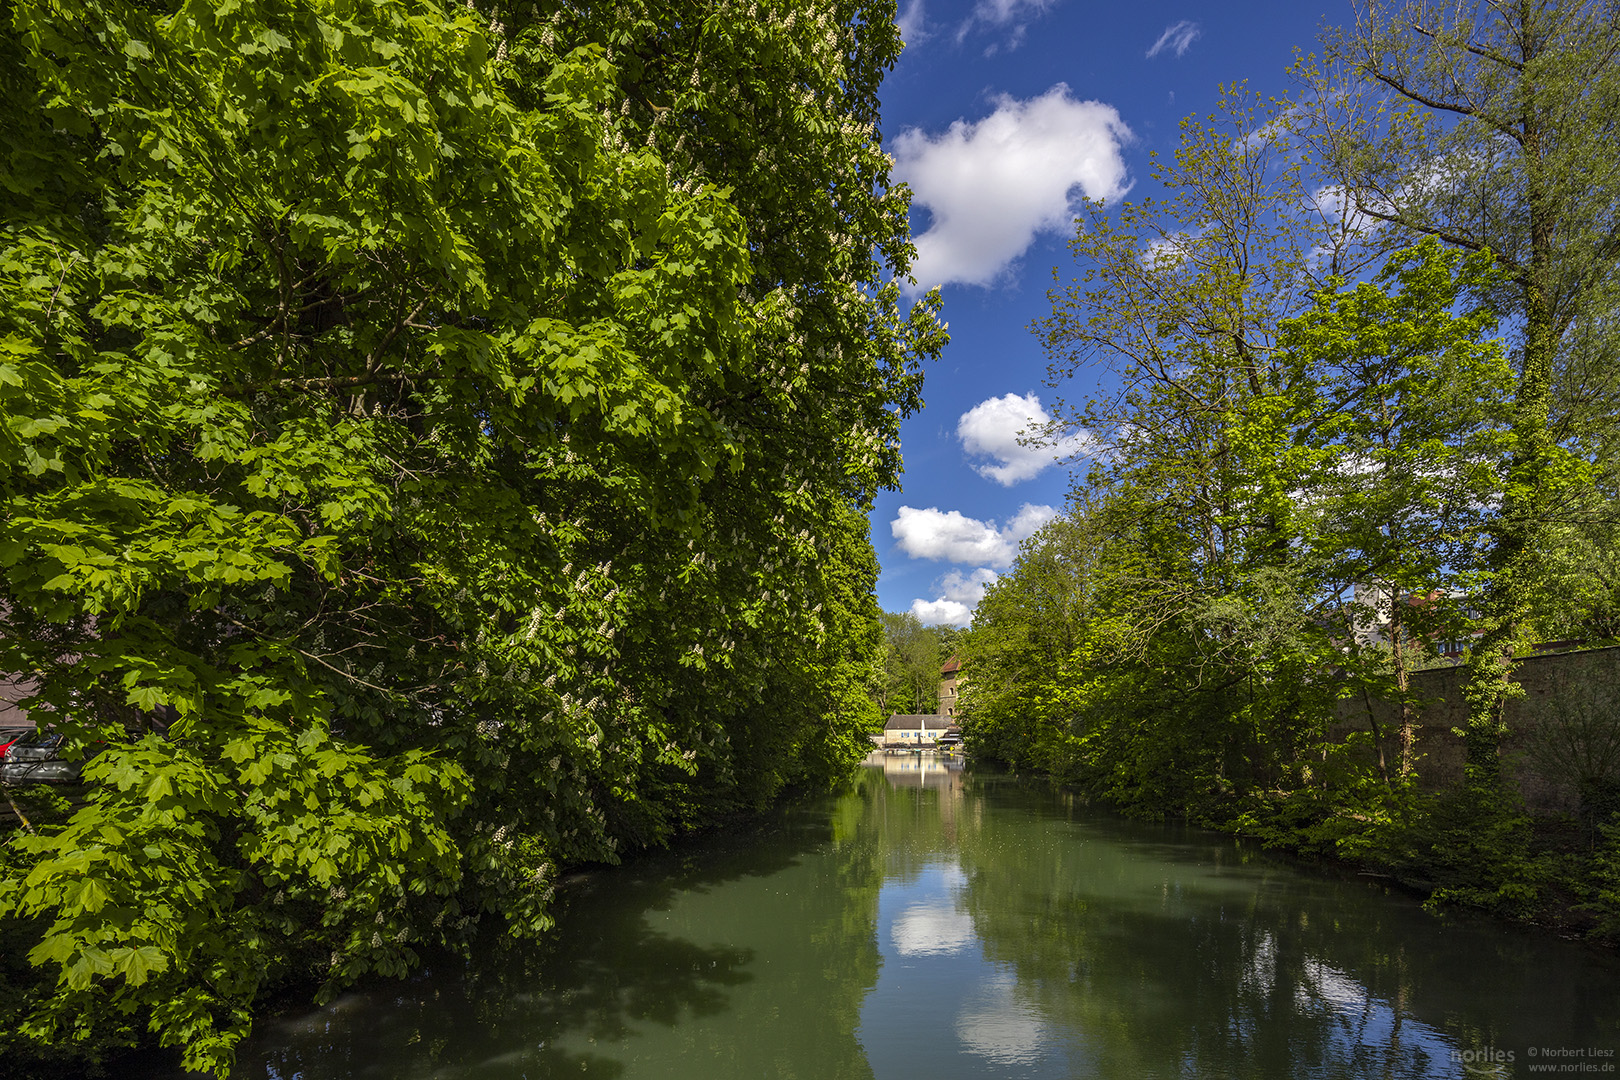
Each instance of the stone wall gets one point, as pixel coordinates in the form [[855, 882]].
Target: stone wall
[[1546, 679]]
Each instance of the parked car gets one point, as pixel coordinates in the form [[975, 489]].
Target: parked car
[[10, 733], [36, 758]]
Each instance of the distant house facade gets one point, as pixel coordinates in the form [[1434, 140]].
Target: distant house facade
[[1373, 603], [950, 687], [915, 729]]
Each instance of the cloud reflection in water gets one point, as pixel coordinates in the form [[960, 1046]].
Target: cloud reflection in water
[[999, 1028]]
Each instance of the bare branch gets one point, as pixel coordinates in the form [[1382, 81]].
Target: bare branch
[[1445, 106], [1477, 50]]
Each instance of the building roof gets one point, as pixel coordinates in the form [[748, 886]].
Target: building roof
[[917, 721], [952, 666]]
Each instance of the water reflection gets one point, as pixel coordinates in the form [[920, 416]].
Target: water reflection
[[745, 957], [1154, 951], [936, 925], [919, 769], [936, 922], [1000, 1028]]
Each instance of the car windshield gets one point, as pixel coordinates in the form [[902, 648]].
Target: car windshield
[[40, 738]]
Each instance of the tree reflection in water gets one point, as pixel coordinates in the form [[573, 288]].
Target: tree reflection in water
[[745, 956], [1110, 948], [935, 922]]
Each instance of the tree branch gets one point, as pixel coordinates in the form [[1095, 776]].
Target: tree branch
[[1444, 106], [1488, 54], [1514, 271]]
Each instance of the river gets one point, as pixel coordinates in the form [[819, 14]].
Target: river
[[933, 923]]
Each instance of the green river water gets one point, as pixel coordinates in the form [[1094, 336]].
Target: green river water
[[935, 924]]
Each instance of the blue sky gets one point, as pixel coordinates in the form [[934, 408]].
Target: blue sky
[[1001, 114]]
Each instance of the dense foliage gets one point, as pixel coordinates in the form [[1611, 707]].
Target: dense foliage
[[436, 451], [913, 655], [1493, 129], [1365, 359], [1182, 634]]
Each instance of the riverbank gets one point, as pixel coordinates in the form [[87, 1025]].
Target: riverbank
[[1455, 849]]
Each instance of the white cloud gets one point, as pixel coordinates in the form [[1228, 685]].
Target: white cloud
[[968, 588], [1027, 522], [953, 537], [992, 427], [1273, 131], [992, 185], [936, 534], [1340, 211], [1002, 12], [1165, 252], [999, 14], [941, 612], [961, 593], [1177, 37], [913, 30], [1345, 222]]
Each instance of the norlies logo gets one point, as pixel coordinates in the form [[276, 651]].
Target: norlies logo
[[1485, 1061]]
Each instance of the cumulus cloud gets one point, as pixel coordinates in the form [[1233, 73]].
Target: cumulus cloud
[[969, 587], [941, 612], [1177, 37], [953, 537], [1027, 522], [960, 594], [993, 185], [992, 428]]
